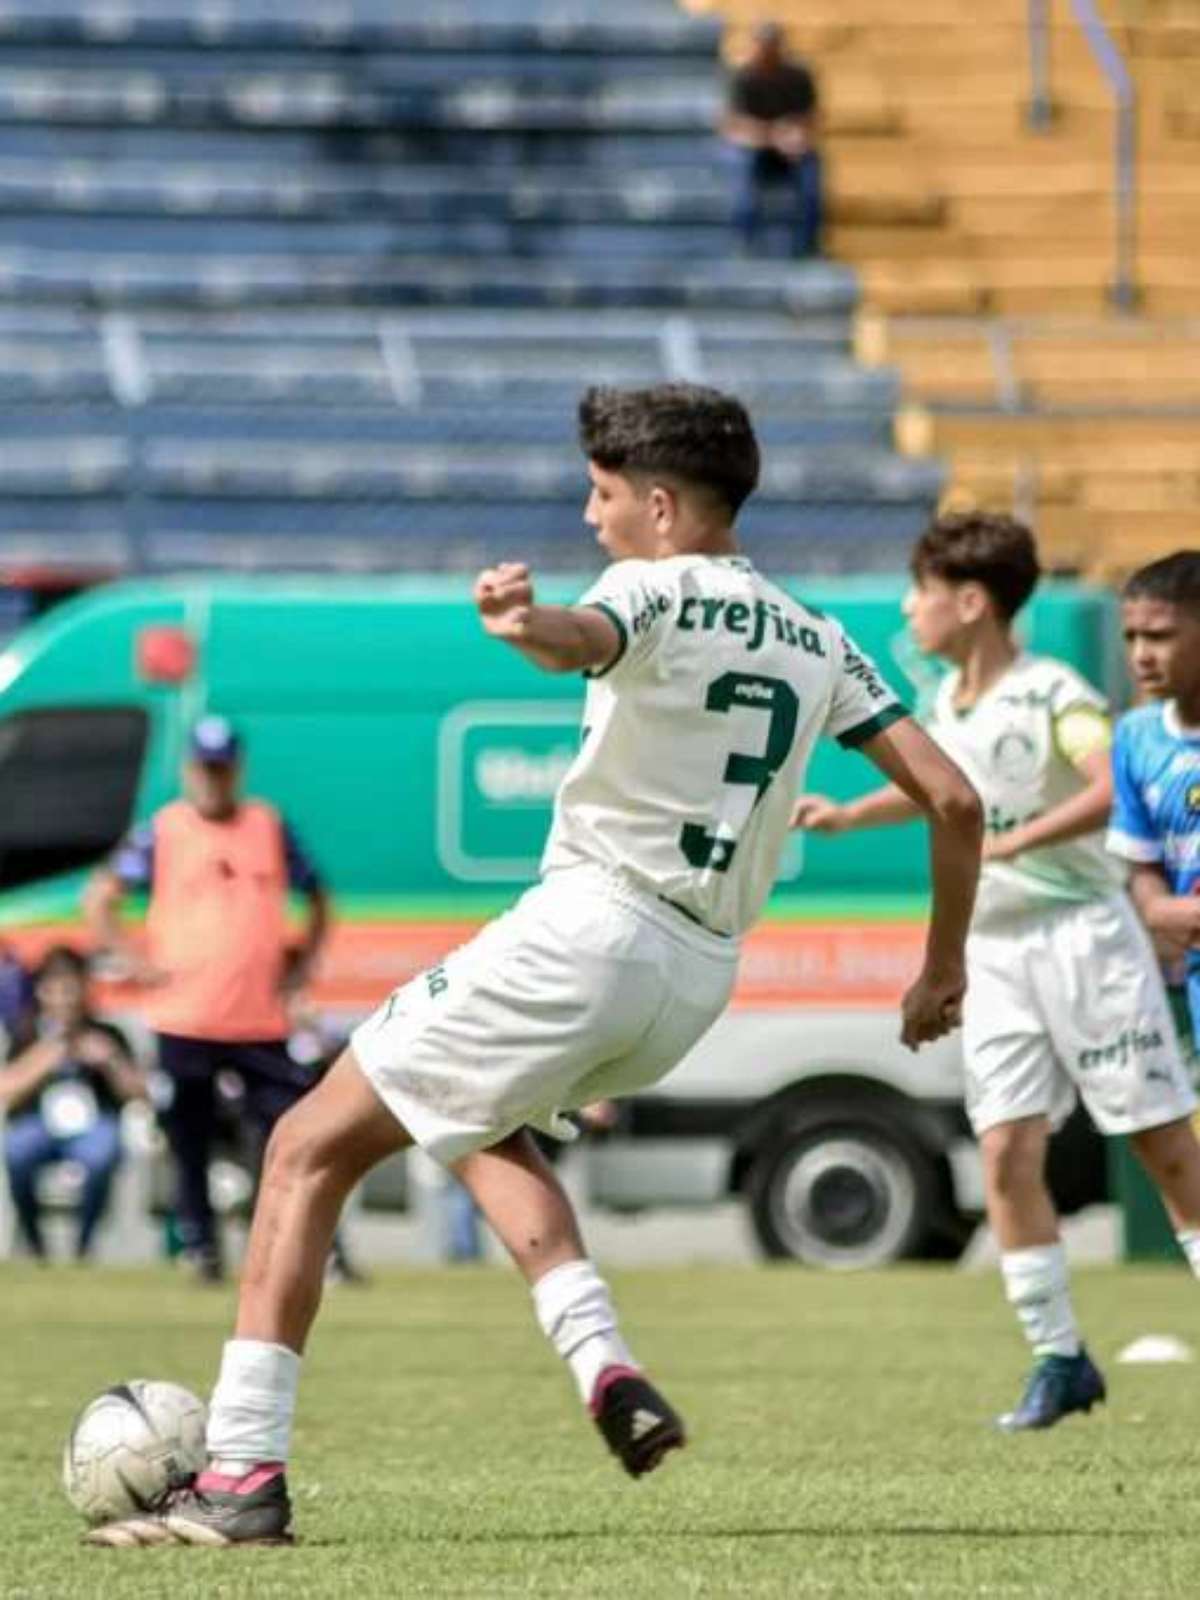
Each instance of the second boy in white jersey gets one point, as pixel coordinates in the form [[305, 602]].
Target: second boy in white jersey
[[708, 688], [1065, 995]]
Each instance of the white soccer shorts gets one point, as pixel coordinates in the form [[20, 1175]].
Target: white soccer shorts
[[589, 988], [1071, 1002]]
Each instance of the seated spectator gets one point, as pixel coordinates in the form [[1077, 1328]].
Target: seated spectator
[[770, 130], [16, 994], [62, 1088]]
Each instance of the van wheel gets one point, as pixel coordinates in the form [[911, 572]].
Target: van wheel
[[842, 1188]]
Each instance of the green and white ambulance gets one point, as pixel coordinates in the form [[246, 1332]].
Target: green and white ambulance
[[418, 761]]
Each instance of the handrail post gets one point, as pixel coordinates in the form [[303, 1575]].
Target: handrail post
[[1040, 113], [129, 380], [1123, 291]]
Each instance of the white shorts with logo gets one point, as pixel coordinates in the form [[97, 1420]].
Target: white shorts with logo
[[589, 988], [1070, 1002]]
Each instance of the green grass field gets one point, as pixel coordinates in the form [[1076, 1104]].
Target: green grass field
[[840, 1442]]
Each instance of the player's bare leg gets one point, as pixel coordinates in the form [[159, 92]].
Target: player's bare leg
[[1019, 1207], [1034, 1265], [1171, 1156], [317, 1152], [518, 1191]]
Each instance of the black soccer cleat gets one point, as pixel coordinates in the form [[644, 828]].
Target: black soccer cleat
[[638, 1425], [1057, 1386], [213, 1510]]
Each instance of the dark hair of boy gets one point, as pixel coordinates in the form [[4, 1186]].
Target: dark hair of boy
[[62, 958], [984, 547], [680, 434], [1174, 580]]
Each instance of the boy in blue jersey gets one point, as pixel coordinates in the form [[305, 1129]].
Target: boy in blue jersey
[[1156, 769]]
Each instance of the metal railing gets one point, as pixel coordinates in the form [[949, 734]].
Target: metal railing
[[1123, 289]]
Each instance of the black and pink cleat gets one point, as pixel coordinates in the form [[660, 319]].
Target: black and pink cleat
[[212, 1510], [638, 1425]]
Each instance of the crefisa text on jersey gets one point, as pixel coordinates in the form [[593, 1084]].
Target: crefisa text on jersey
[[699, 611]]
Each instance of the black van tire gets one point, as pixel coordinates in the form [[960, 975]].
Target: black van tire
[[842, 1187]]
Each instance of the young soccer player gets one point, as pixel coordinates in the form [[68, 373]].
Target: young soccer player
[[1064, 991], [1156, 765], [707, 688]]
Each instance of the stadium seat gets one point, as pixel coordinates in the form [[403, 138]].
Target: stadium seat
[[319, 285]]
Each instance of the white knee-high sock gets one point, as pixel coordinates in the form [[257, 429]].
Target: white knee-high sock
[[575, 1311], [1035, 1281], [250, 1417], [1189, 1243]]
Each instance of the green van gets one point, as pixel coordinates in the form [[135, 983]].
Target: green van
[[417, 756], [418, 759]]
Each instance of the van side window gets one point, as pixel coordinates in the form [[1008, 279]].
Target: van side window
[[68, 779]]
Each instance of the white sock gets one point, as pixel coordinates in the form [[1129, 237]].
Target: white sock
[[250, 1416], [1189, 1243], [575, 1311], [1035, 1281]]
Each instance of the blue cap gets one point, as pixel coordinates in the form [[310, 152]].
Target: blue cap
[[214, 742]]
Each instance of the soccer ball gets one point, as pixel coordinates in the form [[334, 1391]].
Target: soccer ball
[[130, 1445]]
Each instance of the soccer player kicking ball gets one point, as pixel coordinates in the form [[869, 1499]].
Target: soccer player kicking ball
[[1065, 995], [1156, 765], [707, 689]]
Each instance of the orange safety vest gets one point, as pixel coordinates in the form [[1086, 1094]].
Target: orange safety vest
[[216, 923]]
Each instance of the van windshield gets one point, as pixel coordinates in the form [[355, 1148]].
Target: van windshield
[[68, 779]]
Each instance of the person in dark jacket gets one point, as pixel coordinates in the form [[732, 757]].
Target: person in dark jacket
[[770, 127]]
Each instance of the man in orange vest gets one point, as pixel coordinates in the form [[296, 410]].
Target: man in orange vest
[[218, 967]]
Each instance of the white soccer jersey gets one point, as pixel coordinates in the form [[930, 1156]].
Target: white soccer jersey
[[1018, 744], [696, 739]]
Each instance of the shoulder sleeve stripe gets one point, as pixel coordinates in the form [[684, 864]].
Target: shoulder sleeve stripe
[[853, 737], [1131, 849], [622, 634]]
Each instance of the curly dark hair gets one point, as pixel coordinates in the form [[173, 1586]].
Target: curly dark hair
[[680, 432], [983, 547], [1175, 579]]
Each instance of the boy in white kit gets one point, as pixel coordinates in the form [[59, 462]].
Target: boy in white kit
[[708, 688], [1065, 995]]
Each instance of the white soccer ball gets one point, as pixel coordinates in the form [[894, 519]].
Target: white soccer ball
[[130, 1445]]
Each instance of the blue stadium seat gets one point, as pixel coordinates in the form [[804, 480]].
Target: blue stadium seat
[[321, 285], [446, 426], [514, 25], [841, 537]]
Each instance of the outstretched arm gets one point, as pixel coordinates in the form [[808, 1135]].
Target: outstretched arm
[[556, 638], [939, 791], [818, 814]]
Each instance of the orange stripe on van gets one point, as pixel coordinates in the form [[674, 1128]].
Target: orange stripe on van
[[783, 964]]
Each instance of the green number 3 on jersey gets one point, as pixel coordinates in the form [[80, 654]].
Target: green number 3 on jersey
[[757, 693]]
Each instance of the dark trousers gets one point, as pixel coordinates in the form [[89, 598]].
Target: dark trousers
[[29, 1146], [756, 173], [272, 1084]]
